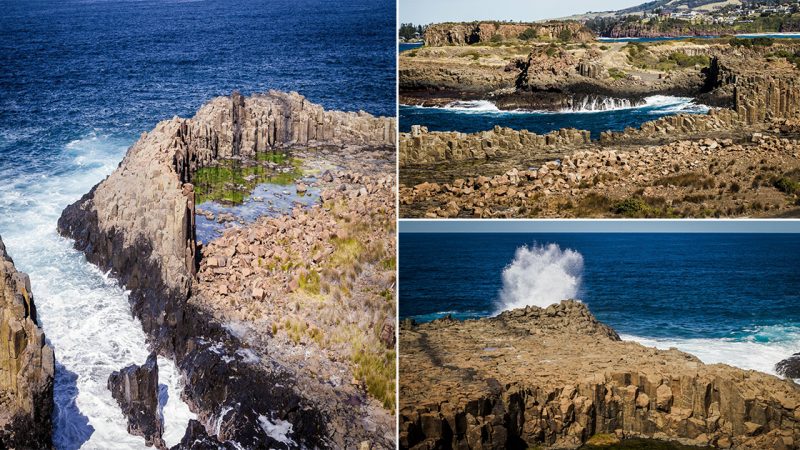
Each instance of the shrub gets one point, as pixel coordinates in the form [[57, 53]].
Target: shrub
[[529, 34], [631, 207], [565, 35], [617, 74], [786, 185]]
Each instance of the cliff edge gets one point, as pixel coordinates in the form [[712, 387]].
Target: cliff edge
[[139, 223], [555, 377], [27, 365]]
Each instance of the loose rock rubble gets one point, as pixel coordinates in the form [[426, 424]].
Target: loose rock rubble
[[682, 179]]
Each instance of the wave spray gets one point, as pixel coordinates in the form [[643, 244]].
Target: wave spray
[[540, 276]]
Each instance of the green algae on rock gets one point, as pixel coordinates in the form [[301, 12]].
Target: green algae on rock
[[230, 181]]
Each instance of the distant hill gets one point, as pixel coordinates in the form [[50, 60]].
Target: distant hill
[[670, 6]]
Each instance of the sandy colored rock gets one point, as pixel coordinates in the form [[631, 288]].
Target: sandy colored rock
[[27, 364], [555, 377]]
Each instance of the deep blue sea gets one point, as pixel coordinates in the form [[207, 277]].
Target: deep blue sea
[[474, 116], [80, 81], [732, 298], [405, 46]]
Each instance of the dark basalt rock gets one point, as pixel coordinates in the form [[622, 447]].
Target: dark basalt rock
[[196, 438], [135, 388], [789, 367], [197, 343]]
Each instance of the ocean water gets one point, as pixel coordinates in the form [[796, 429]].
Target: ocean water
[[405, 46], [482, 115], [81, 80], [730, 298]]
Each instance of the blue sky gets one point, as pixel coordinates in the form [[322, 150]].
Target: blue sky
[[431, 11], [600, 226]]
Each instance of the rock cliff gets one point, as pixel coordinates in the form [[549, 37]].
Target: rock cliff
[[139, 223], [757, 99], [27, 365], [424, 147], [555, 377], [443, 34], [135, 388]]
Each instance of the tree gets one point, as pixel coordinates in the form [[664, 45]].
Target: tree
[[408, 31], [565, 35]]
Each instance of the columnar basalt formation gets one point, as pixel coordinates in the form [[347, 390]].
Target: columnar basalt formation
[[757, 100], [135, 388], [424, 147], [700, 178], [443, 34], [139, 223], [555, 377], [27, 365]]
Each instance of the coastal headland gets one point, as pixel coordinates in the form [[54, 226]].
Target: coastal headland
[[740, 159], [261, 320], [555, 377]]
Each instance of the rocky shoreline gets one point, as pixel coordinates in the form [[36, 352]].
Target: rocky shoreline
[[139, 223], [555, 377], [27, 365], [744, 149]]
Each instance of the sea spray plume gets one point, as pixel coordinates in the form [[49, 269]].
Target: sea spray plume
[[540, 276]]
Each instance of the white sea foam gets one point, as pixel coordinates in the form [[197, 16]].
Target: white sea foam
[[478, 106], [277, 429], [85, 315], [759, 350], [596, 104], [655, 104], [540, 276]]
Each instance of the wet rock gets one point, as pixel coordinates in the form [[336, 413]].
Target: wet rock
[[27, 365], [789, 367], [196, 438], [135, 388]]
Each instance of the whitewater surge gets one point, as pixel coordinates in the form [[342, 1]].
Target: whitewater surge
[[758, 349], [84, 313], [654, 104], [540, 276]]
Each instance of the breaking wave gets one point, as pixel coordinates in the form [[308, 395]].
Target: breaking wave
[[540, 276]]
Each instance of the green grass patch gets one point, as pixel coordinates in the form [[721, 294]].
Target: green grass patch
[[309, 282], [617, 74], [389, 263], [346, 251], [377, 371]]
